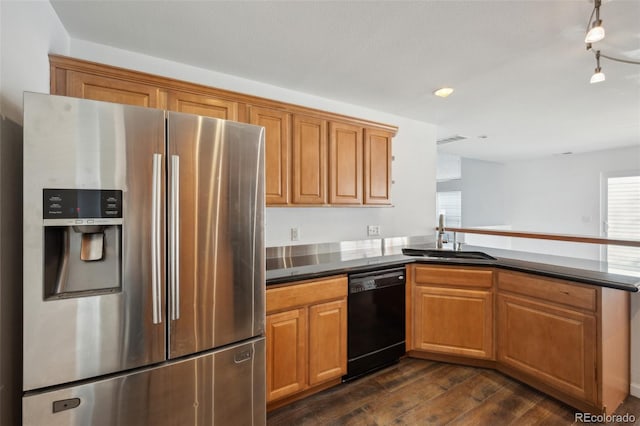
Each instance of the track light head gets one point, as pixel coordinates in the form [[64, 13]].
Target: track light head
[[598, 76], [596, 33]]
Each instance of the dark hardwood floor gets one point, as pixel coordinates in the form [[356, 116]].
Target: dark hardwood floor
[[419, 392]]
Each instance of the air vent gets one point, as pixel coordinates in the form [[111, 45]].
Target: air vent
[[450, 139]]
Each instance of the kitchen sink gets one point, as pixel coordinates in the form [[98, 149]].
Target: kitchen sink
[[448, 254]]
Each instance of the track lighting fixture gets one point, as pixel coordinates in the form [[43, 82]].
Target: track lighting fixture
[[595, 33]]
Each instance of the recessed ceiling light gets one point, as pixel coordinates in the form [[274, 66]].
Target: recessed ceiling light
[[443, 92]]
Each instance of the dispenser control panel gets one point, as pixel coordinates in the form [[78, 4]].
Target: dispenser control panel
[[82, 204]]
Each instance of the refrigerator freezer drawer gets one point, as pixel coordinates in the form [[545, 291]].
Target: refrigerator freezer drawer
[[223, 387]]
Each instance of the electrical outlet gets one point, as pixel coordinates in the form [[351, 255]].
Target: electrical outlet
[[295, 234], [373, 230]]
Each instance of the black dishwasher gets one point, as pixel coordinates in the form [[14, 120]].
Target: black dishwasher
[[376, 321]]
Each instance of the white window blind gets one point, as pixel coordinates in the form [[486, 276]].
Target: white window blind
[[450, 204], [623, 221]]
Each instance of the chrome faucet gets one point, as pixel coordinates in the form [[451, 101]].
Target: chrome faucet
[[441, 240]]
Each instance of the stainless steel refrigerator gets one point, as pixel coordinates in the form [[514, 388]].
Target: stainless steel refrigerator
[[143, 266]]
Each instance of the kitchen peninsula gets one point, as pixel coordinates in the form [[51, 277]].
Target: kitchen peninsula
[[559, 324]]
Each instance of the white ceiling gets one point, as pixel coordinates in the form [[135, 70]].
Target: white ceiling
[[520, 68]]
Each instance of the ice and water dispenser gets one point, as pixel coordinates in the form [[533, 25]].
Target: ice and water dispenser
[[82, 242]]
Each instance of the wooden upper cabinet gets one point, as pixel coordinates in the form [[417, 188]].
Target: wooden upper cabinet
[[276, 156], [309, 160], [98, 88], [202, 105], [377, 167], [345, 163]]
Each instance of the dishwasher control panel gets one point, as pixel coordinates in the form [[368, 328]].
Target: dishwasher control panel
[[376, 279], [363, 286]]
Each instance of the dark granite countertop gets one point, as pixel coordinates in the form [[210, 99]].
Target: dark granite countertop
[[295, 268]]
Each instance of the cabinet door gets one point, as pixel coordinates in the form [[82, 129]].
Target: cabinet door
[[377, 167], [345, 164], [202, 105], [286, 353], [89, 86], [550, 344], [327, 341], [276, 158], [454, 321], [309, 153]]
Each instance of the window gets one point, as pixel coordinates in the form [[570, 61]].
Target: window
[[449, 203], [622, 220]]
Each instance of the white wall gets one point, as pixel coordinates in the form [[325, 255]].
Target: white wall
[[28, 32], [562, 195], [483, 199], [483, 191], [448, 167], [551, 195], [413, 169]]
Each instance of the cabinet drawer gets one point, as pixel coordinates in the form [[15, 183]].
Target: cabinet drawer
[[306, 293], [453, 276], [549, 289]]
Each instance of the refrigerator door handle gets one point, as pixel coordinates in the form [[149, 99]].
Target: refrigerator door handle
[[175, 238], [156, 220]]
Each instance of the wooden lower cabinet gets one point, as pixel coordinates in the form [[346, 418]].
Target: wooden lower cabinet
[[567, 339], [306, 338], [286, 353], [327, 341], [454, 321], [452, 311], [552, 344]]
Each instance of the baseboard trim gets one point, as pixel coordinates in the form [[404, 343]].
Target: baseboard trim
[[635, 389]]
